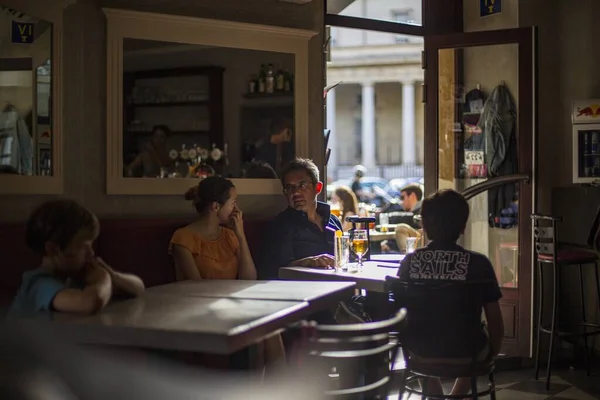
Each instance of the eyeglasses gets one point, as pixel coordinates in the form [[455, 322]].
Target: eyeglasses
[[292, 188]]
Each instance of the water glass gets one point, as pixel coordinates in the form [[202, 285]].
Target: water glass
[[342, 252], [411, 244]]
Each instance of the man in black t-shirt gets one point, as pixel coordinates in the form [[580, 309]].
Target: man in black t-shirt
[[444, 219]]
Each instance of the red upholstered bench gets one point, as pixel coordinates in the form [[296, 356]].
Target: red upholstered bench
[[138, 246]]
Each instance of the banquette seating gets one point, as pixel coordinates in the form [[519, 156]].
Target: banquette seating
[[137, 246]]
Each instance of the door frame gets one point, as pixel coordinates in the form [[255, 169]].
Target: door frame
[[522, 298]]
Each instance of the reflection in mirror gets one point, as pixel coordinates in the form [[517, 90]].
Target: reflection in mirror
[[477, 135], [25, 94], [194, 111]]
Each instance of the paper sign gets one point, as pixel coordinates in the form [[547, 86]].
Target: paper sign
[[22, 32], [474, 157]]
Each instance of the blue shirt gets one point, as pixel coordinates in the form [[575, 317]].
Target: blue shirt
[[291, 236], [36, 293]]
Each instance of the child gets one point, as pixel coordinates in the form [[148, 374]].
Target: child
[[70, 279], [444, 218]]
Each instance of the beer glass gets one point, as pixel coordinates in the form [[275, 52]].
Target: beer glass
[[360, 244]]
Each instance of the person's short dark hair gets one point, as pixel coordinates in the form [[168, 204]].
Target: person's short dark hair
[[257, 169], [301, 164], [58, 221], [413, 188], [209, 190], [444, 215], [164, 128], [278, 124]]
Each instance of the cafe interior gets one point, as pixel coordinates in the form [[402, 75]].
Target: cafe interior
[[123, 105]]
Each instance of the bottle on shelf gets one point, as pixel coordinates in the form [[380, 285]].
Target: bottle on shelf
[[262, 79], [270, 79], [253, 84], [280, 81]]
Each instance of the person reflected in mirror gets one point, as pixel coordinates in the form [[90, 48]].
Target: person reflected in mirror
[[278, 149], [302, 234], [345, 197], [258, 169], [154, 155], [16, 145], [71, 278]]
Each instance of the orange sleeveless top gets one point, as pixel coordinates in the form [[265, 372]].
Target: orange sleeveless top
[[215, 259]]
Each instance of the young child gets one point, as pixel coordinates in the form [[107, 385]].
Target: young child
[[70, 279], [444, 219]]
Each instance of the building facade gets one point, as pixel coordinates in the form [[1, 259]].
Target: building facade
[[376, 114]]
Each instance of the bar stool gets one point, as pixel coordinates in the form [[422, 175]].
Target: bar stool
[[550, 252]]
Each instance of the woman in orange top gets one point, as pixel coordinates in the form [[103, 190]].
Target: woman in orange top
[[205, 249]]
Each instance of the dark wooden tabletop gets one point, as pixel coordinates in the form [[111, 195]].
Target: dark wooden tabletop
[[187, 323]]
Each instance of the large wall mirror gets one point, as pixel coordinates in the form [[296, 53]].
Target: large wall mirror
[[203, 97], [30, 143]]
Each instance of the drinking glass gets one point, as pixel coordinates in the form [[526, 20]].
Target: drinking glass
[[342, 252], [360, 244], [411, 244]]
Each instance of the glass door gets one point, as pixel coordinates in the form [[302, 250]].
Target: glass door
[[480, 115]]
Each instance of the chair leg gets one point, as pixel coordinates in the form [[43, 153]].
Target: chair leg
[[555, 298], [584, 320], [539, 318], [474, 387], [492, 379]]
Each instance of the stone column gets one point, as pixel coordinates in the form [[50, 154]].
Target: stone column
[[409, 148], [368, 126], [332, 166]]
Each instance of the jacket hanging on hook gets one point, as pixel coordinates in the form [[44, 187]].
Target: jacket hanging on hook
[[498, 124]]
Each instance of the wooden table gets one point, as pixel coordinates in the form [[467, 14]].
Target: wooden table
[[319, 295], [372, 277], [216, 317]]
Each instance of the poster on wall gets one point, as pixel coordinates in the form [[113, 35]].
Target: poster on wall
[[490, 7]]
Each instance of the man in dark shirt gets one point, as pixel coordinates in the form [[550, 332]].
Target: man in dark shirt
[[444, 217], [302, 234]]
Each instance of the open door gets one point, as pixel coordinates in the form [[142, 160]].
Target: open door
[[480, 126]]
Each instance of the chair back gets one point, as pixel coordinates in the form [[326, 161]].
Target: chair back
[[430, 304], [545, 236], [594, 238], [361, 354]]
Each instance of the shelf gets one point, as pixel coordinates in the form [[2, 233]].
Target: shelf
[[172, 132], [277, 99], [171, 104]]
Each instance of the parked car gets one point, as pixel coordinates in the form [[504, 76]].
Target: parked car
[[368, 183], [395, 185]]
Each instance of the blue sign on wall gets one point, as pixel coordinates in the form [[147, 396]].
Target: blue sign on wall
[[490, 7], [22, 32]]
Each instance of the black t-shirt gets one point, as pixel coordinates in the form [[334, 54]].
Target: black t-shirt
[[439, 320]]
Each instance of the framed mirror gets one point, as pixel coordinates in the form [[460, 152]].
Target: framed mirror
[[30, 97], [202, 97]]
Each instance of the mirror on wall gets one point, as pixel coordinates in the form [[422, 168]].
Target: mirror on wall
[[25, 94], [194, 111]]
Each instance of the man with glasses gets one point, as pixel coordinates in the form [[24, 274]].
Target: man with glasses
[[303, 234]]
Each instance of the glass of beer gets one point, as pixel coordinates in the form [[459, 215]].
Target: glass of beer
[[336, 210], [360, 244]]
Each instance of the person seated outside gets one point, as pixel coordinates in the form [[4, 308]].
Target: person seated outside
[[411, 197], [302, 234], [444, 217], [71, 278], [346, 199], [215, 247]]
